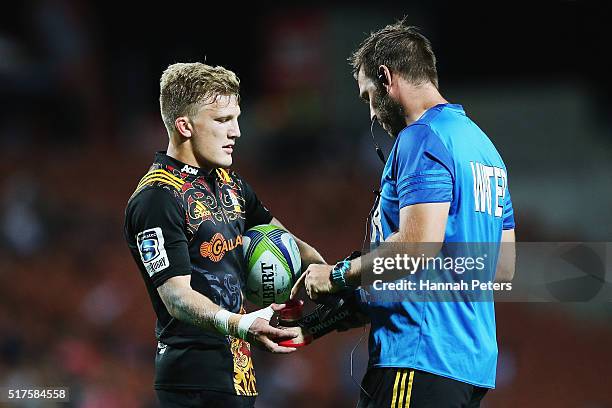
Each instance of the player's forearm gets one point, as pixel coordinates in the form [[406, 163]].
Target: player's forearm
[[506, 263], [191, 307], [200, 311], [308, 254]]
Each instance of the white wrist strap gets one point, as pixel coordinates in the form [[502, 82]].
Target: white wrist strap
[[247, 320], [222, 317], [221, 321]]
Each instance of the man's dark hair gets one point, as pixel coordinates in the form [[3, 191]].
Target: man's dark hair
[[402, 49]]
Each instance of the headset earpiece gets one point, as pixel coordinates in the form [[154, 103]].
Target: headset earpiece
[[382, 77]]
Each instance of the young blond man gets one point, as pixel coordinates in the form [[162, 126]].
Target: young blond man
[[184, 226]]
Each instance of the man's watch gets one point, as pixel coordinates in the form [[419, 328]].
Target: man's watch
[[338, 274]]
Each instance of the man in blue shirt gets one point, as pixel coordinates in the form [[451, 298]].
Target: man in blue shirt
[[444, 182]]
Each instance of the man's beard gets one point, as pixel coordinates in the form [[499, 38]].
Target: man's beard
[[390, 114]]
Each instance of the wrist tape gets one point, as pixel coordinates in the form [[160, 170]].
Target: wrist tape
[[238, 325]]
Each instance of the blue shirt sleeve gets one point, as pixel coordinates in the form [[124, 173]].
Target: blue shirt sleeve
[[508, 222], [424, 167]]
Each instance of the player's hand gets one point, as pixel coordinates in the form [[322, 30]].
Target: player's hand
[[302, 339], [289, 318], [266, 337], [317, 281]]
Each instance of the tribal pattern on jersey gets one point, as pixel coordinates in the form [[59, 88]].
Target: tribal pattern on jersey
[[187, 221], [200, 203], [244, 373]]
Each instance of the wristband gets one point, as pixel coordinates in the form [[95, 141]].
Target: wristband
[[338, 273], [247, 320], [221, 321], [240, 324]]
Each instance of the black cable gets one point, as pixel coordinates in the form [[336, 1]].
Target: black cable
[[351, 372], [379, 151]]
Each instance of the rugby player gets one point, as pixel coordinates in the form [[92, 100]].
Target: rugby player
[[439, 176], [184, 225]]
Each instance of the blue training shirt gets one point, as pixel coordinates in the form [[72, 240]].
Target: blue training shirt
[[442, 157]]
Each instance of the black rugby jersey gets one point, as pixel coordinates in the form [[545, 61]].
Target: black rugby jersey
[[182, 220]]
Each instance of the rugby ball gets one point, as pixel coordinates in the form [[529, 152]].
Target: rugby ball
[[273, 264]]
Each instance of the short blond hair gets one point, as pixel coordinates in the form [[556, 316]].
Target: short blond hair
[[183, 88]]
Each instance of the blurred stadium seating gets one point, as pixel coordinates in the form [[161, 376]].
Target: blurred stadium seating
[[79, 126]]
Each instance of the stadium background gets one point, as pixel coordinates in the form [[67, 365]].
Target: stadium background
[[80, 122]]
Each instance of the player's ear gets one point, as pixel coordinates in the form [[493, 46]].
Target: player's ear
[[183, 126], [384, 77]]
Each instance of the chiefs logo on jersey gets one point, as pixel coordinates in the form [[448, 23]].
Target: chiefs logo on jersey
[[218, 246]]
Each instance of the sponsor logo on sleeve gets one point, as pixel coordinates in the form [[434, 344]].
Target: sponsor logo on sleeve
[[152, 251]]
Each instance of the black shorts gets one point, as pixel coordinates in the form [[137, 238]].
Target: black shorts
[[408, 388], [201, 399]]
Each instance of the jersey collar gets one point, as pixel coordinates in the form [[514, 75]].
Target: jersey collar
[[188, 170]]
